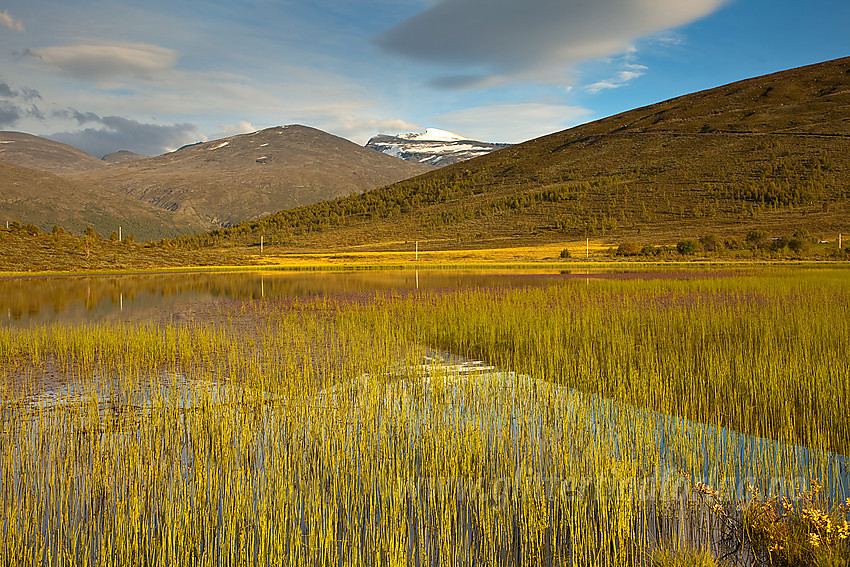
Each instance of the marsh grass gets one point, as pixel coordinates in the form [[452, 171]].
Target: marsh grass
[[324, 432]]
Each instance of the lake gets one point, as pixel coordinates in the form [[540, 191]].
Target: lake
[[26, 301]]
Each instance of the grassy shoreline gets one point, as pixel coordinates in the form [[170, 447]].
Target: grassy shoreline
[[599, 264]]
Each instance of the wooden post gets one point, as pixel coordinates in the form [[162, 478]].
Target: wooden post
[[119, 234], [262, 239], [417, 251], [587, 249], [839, 241]]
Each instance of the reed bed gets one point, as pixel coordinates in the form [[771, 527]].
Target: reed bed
[[328, 433]]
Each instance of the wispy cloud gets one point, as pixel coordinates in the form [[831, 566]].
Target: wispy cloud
[[25, 93], [504, 41], [628, 70], [99, 63], [512, 122], [6, 90], [11, 109], [10, 114], [10, 22]]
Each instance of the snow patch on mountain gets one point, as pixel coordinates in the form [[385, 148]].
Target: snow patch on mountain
[[433, 146], [433, 135]]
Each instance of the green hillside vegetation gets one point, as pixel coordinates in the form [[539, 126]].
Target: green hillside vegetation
[[770, 154], [24, 247]]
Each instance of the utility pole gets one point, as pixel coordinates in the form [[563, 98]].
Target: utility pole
[[839, 241], [587, 249], [417, 251], [262, 241], [119, 234]]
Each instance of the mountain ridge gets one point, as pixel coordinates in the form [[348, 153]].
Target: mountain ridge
[[243, 177], [36, 152]]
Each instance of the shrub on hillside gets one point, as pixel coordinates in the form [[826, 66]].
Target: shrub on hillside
[[710, 243], [629, 249], [650, 250], [756, 239], [803, 234], [733, 244], [798, 245], [687, 246]]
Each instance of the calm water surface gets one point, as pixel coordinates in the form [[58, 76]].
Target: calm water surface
[[73, 299]]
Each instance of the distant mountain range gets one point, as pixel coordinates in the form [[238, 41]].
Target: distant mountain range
[[769, 153], [433, 147], [196, 188]]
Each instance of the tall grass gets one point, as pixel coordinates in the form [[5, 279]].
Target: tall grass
[[323, 433]]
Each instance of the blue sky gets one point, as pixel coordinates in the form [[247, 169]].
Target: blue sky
[[149, 77]]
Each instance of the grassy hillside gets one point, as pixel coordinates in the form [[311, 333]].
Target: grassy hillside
[[249, 176], [44, 199], [770, 153], [22, 251]]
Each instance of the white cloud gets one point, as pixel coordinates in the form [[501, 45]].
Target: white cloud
[[241, 127], [504, 41], [10, 22], [628, 72], [102, 63], [359, 130], [512, 122]]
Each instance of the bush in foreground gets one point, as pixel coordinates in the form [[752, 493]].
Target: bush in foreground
[[663, 557]]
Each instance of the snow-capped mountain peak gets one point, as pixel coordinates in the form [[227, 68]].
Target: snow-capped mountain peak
[[433, 147]]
